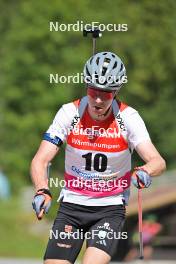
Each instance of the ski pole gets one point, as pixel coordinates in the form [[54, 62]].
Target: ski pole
[[141, 250]]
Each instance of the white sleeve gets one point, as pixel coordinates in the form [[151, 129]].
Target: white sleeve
[[136, 129], [61, 123]]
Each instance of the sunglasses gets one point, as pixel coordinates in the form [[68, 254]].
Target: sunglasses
[[105, 95]]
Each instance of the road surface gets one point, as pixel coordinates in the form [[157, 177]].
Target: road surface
[[27, 261]]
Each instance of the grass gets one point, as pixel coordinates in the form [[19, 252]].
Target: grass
[[17, 240], [21, 235]]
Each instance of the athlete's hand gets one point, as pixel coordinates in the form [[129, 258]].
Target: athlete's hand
[[42, 202], [141, 179]]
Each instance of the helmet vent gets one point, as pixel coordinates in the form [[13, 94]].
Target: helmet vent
[[121, 68], [97, 61], [104, 71], [107, 60], [96, 76], [115, 65], [87, 71]]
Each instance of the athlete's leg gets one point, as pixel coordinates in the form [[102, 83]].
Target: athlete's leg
[[63, 250], [65, 240], [96, 256], [104, 236], [56, 261]]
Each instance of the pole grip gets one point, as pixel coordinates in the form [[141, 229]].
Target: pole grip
[[95, 32]]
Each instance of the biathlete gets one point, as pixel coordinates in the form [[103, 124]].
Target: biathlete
[[100, 134]]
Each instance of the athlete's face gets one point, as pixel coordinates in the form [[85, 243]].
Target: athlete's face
[[99, 101]]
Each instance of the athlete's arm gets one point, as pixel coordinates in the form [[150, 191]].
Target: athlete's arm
[[44, 155], [139, 140], [155, 164], [53, 139]]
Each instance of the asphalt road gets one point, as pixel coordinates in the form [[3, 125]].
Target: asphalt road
[[25, 261]]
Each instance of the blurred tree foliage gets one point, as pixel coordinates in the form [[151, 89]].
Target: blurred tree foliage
[[30, 52]]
